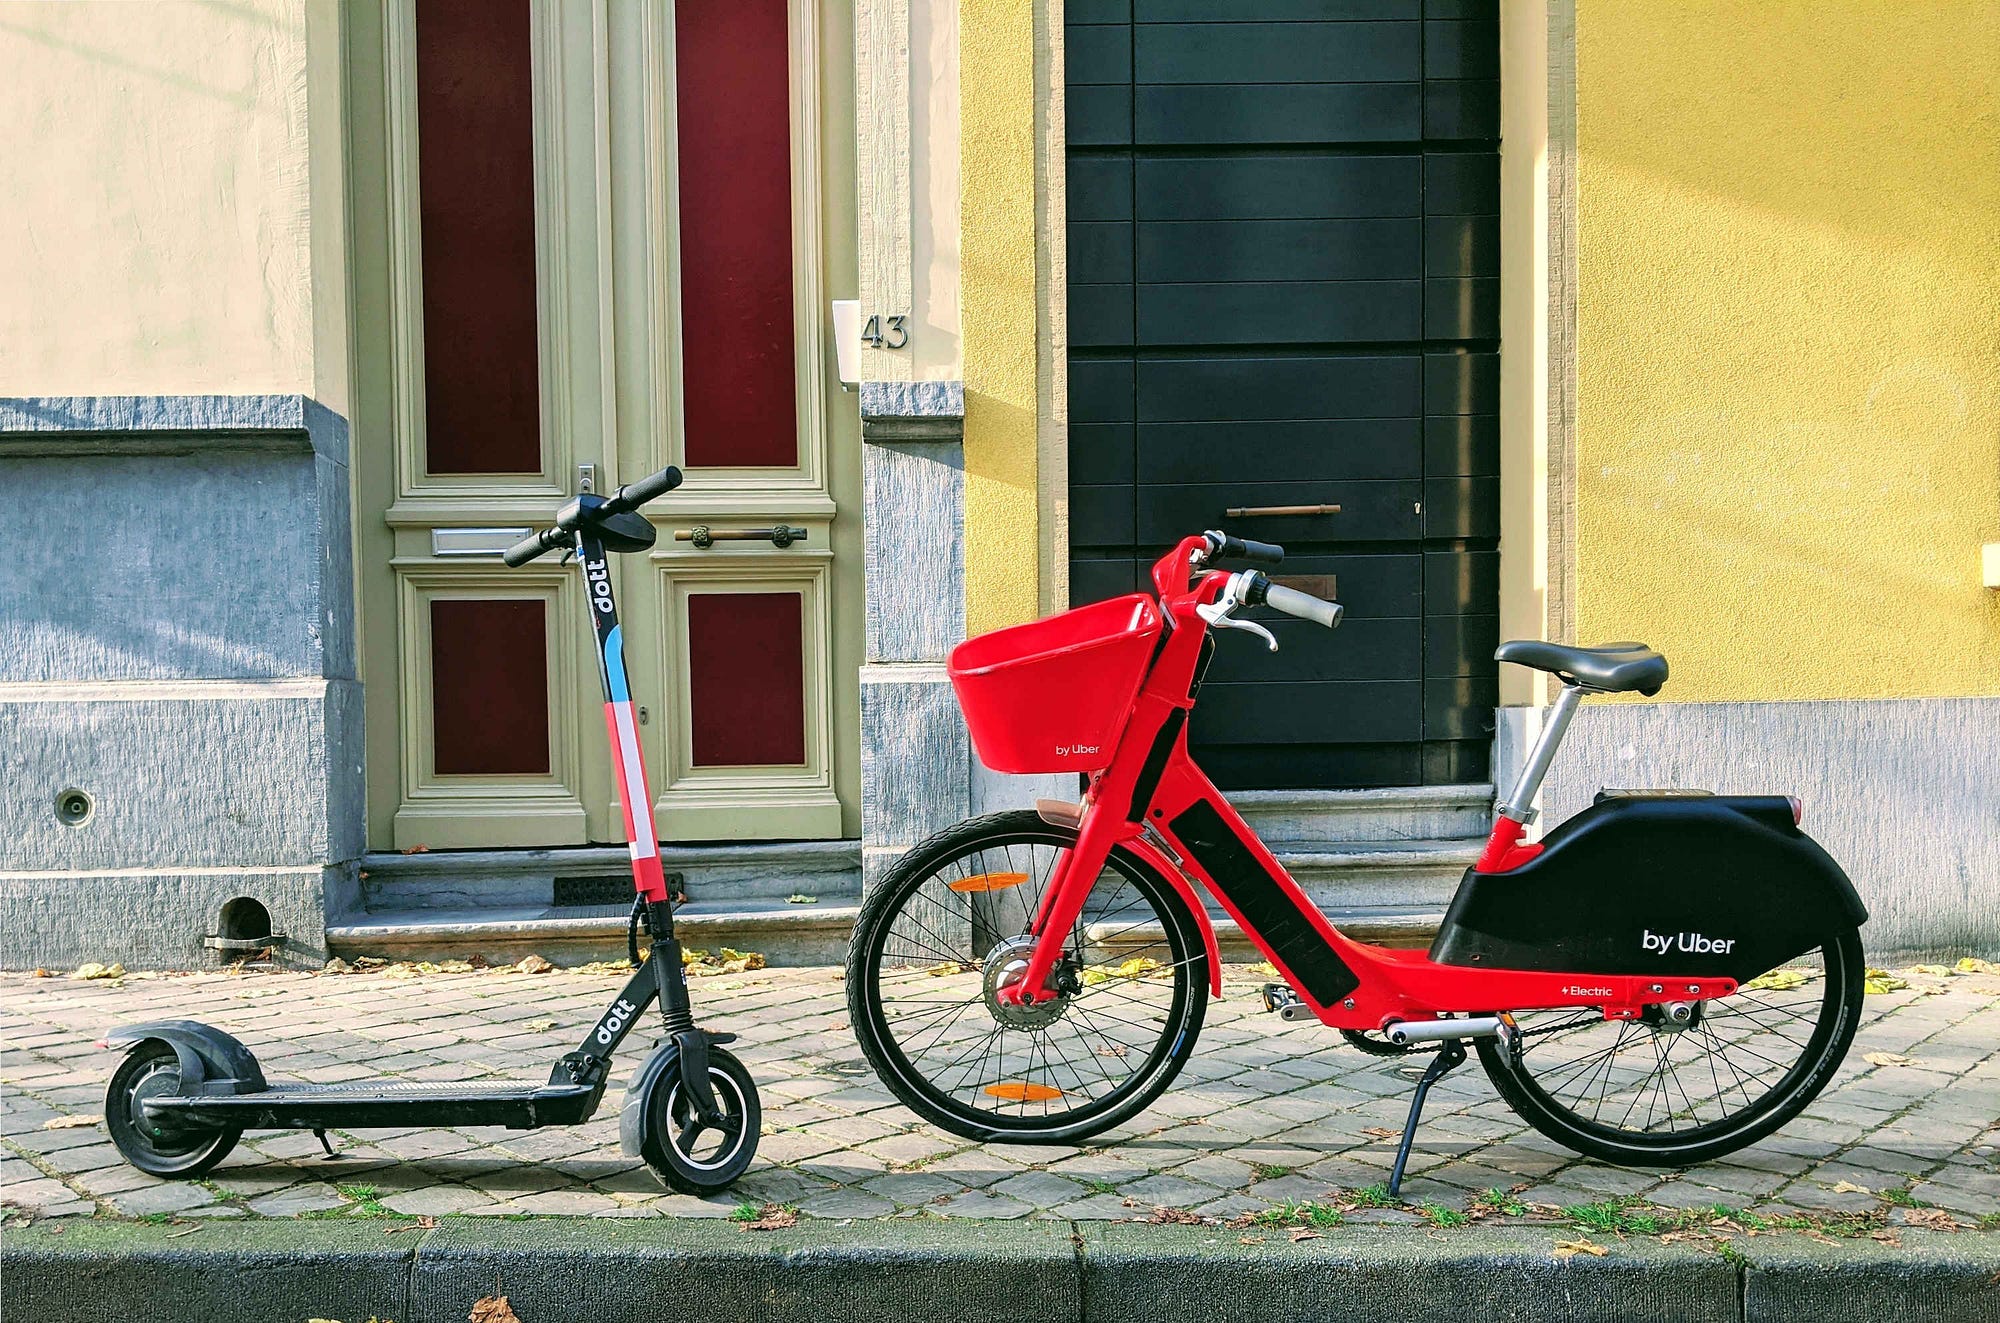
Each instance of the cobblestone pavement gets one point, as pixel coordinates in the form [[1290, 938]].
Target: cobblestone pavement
[[1266, 1113]]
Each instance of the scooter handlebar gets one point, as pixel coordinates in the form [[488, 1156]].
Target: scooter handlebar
[[534, 545], [635, 494]]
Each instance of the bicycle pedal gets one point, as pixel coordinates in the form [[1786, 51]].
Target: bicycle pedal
[[1279, 997]]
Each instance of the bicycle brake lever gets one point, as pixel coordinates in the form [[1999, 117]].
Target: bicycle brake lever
[[1218, 617]]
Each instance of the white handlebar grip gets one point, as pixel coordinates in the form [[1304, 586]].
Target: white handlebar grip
[[1303, 605]]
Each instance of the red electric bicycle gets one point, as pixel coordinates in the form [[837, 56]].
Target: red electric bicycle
[[1667, 977]]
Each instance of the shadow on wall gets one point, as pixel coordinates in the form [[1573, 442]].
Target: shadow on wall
[[1789, 317]]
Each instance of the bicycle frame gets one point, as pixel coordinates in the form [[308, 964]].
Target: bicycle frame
[[1153, 801]]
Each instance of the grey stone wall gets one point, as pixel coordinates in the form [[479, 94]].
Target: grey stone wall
[[918, 771], [1905, 793], [177, 642]]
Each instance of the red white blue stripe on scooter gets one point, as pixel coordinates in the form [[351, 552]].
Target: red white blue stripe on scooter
[[625, 750]]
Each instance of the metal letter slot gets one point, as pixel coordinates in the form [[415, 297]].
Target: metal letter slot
[[1264, 511], [705, 537], [475, 541]]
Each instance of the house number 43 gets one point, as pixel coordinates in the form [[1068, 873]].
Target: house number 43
[[881, 332]]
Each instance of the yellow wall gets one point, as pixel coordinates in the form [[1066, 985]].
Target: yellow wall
[[157, 235], [997, 239], [1788, 387]]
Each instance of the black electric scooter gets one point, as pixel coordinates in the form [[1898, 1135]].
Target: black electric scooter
[[186, 1091]]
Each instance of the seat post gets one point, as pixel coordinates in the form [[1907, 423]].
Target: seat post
[[1520, 805]]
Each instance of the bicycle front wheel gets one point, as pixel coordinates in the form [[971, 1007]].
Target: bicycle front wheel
[[1656, 1092], [947, 929]]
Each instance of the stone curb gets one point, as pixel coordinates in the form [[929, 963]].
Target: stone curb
[[942, 1271]]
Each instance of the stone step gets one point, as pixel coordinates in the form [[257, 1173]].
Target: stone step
[[1369, 874], [783, 933], [1403, 813], [724, 874]]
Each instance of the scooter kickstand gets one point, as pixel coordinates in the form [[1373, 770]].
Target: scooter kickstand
[[331, 1154], [1451, 1055]]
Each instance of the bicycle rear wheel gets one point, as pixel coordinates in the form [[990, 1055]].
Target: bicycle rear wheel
[[947, 929], [1653, 1093]]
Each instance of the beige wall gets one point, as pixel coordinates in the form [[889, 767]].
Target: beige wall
[[158, 233]]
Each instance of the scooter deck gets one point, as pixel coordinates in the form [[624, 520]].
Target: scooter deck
[[372, 1104]]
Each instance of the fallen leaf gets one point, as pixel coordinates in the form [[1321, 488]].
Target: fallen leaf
[[1849, 1187], [93, 970], [1779, 980], [425, 849], [336, 966], [1249, 1240], [1162, 1216], [1303, 1234], [41, 973], [493, 1309], [1879, 981], [540, 1026], [1888, 1059], [423, 1223], [773, 1217], [187, 1230], [1974, 965], [1566, 1248], [533, 964], [1380, 1132], [1933, 1219], [1264, 967], [1931, 971], [72, 1122], [1136, 967], [800, 898]]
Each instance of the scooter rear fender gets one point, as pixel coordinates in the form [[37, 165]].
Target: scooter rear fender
[[211, 1061]]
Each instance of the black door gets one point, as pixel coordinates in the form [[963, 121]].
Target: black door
[[1284, 242]]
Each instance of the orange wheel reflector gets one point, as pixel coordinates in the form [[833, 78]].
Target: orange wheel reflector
[[1022, 1091], [989, 882]]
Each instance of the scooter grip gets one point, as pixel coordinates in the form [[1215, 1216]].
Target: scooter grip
[[635, 494], [530, 547]]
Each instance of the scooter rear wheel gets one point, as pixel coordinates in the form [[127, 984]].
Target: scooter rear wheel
[[1653, 1093], [687, 1154], [152, 1070]]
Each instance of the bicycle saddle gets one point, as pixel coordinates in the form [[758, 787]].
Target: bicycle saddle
[[1615, 667]]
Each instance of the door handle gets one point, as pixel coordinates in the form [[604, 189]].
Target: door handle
[[705, 537], [1264, 511]]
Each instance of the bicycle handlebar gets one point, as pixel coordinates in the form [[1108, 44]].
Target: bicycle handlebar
[[1228, 547], [629, 497], [1303, 606]]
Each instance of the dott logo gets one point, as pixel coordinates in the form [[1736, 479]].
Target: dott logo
[[614, 1020], [597, 576], [1660, 943]]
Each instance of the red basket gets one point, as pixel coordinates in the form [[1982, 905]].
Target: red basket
[[1051, 696]]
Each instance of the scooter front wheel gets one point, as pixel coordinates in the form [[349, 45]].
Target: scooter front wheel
[[1666, 1092], [153, 1070], [689, 1154]]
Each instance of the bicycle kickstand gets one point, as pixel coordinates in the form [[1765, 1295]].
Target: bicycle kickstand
[[1450, 1056]]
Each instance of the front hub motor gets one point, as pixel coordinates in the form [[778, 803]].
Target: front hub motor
[[1006, 965]]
